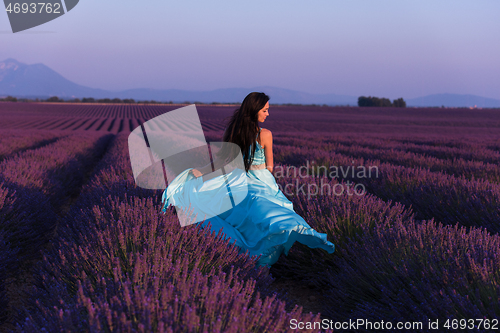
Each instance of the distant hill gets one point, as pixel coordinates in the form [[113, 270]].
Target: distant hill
[[235, 95], [454, 100], [22, 80], [18, 79], [37, 80]]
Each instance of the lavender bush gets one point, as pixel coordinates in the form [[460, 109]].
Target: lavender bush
[[389, 266], [168, 298], [460, 167], [115, 263], [35, 185], [55, 169], [446, 198], [41, 179], [418, 271], [344, 218], [13, 142]]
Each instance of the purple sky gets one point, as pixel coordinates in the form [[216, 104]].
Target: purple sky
[[386, 48]]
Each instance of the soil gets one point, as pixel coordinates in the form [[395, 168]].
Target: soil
[[308, 296]]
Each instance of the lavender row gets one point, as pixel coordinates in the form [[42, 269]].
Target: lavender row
[[25, 110], [175, 299], [111, 182], [138, 232], [13, 142], [439, 148], [57, 168], [418, 272], [111, 178], [375, 140], [458, 144], [344, 218], [447, 198], [28, 215], [40, 180], [34, 185], [456, 166], [389, 266], [473, 152]]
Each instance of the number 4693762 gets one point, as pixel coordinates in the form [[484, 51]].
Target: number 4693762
[[33, 8]]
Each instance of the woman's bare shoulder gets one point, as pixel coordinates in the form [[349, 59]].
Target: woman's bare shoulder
[[266, 132], [266, 136]]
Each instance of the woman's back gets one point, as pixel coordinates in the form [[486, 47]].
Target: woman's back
[[259, 158]]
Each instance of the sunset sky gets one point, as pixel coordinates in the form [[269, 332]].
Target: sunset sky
[[388, 48]]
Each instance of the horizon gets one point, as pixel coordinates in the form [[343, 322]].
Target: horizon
[[387, 49], [100, 100]]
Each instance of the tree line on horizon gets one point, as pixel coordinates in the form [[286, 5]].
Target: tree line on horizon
[[362, 101], [55, 99], [381, 102]]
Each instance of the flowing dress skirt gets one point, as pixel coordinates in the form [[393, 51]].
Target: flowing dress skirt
[[262, 223]]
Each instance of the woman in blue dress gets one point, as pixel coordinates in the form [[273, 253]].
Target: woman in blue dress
[[264, 222]]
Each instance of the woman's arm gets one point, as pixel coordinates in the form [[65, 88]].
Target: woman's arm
[[266, 138], [201, 171], [218, 163]]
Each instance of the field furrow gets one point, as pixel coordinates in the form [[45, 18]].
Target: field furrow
[[101, 123], [81, 123]]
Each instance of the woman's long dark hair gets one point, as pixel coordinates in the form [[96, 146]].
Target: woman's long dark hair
[[243, 126]]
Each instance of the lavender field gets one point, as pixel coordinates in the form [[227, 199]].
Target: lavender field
[[83, 249]]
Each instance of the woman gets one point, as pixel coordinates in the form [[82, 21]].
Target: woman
[[264, 222]]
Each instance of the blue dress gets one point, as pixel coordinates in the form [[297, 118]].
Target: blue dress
[[263, 223]]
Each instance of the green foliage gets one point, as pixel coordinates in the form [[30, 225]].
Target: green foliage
[[399, 103], [93, 100], [380, 102], [9, 99], [54, 99]]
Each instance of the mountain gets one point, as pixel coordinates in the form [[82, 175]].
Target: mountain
[[454, 100], [18, 79], [235, 95], [22, 80], [37, 80]]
